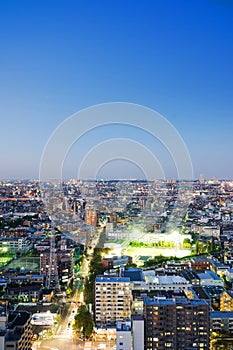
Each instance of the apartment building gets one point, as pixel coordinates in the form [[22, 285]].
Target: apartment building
[[177, 324], [16, 244], [226, 301], [112, 300], [200, 264], [17, 335], [64, 264], [221, 321]]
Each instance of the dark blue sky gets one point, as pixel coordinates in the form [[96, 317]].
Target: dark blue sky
[[59, 56]]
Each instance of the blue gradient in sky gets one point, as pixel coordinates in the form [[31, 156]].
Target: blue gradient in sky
[[60, 56]]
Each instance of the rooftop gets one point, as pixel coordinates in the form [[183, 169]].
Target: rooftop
[[173, 301], [53, 308], [18, 318], [134, 274], [221, 314], [209, 275], [112, 279], [172, 280]]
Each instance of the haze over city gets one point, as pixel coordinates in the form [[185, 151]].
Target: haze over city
[[174, 57]]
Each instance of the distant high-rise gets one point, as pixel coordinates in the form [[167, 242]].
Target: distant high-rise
[[63, 261], [52, 275], [91, 216], [202, 178], [215, 180], [178, 324]]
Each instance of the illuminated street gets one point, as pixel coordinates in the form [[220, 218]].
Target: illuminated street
[[71, 344], [64, 338]]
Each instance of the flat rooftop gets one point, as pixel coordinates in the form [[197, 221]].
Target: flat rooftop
[[105, 279]]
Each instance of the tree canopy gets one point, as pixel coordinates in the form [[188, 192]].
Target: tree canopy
[[83, 322]]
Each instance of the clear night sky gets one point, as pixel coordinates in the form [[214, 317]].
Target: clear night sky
[[59, 56]]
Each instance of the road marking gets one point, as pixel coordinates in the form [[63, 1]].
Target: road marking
[[48, 347], [62, 336]]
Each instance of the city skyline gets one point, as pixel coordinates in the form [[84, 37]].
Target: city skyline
[[172, 57]]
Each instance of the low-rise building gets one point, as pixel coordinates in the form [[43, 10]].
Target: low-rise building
[[218, 267], [116, 261], [200, 264], [221, 321], [16, 244], [209, 278], [123, 335], [191, 276], [226, 301], [229, 275], [165, 282], [25, 293]]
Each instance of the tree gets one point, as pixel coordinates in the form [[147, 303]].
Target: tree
[[186, 240], [131, 265], [186, 243], [95, 269], [89, 290], [212, 245], [199, 248], [83, 322]]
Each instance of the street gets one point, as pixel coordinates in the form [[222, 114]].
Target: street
[[65, 338], [70, 344]]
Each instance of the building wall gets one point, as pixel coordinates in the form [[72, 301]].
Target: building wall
[[64, 263], [123, 340], [91, 217], [2, 341], [138, 333], [226, 302], [23, 331], [112, 300], [123, 335], [178, 325], [200, 264], [221, 322]]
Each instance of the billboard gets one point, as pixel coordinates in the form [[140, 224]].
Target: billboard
[[43, 319]]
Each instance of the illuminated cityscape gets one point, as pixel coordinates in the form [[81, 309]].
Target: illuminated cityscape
[[116, 179], [116, 266]]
